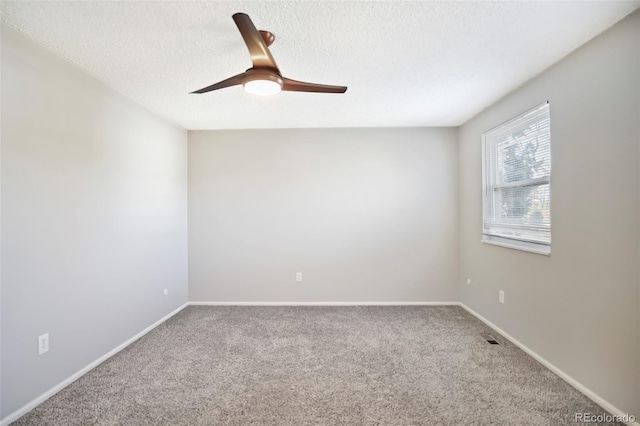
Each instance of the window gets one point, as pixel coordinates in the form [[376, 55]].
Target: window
[[516, 182]]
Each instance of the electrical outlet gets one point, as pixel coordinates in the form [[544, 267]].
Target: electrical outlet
[[166, 291], [501, 296], [299, 277], [43, 343], [468, 281]]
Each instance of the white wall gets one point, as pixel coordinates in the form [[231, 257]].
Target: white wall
[[579, 307], [366, 215], [94, 220]]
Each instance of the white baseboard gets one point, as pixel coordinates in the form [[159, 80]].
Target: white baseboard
[[564, 376], [200, 303], [66, 382]]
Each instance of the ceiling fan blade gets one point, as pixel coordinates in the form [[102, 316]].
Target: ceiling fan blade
[[260, 55], [231, 81], [301, 86]]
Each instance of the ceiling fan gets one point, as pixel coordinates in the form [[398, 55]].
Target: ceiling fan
[[264, 78]]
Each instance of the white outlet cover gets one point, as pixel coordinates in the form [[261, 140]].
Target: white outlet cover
[[299, 277], [166, 291], [468, 281], [501, 296], [43, 343]]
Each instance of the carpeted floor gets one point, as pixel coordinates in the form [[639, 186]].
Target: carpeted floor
[[390, 365]]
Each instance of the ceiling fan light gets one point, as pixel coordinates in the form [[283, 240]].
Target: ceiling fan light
[[262, 87]]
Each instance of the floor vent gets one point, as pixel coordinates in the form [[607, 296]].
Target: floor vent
[[489, 338]]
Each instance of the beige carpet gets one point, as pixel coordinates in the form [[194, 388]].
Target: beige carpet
[[317, 366]]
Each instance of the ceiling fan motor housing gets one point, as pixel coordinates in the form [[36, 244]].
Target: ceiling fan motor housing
[[268, 74]]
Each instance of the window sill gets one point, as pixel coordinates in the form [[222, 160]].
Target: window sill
[[518, 245]]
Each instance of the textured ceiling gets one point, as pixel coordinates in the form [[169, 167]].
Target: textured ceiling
[[405, 63]]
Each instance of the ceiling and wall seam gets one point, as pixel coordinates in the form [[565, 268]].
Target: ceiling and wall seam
[[92, 75]]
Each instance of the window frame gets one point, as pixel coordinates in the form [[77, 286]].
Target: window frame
[[517, 243]]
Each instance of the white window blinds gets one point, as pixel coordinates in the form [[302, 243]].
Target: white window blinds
[[516, 182]]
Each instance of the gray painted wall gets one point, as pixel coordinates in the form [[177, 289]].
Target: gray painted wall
[[366, 215], [94, 220], [579, 307]]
